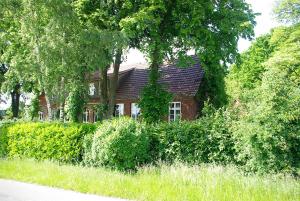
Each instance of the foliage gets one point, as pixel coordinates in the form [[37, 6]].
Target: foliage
[[247, 73], [206, 140], [267, 131], [287, 11], [212, 87], [3, 137], [211, 28], [34, 107], [75, 103], [118, 144], [47, 141], [154, 103]]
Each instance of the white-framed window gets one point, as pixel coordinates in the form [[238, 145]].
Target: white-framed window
[[119, 110], [85, 116], [41, 116], [175, 111], [96, 117], [92, 89], [135, 111]]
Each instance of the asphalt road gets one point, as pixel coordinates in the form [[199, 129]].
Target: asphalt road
[[19, 191]]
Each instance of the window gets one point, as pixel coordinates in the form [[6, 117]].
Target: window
[[119, 110], [41, 116], [135, 111], [92, 89], [85, 116], [175, 111], [96, 117]]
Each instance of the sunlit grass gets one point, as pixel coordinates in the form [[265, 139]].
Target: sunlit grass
[[178, 182]]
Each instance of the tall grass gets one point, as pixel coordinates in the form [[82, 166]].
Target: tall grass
[[178, 182]]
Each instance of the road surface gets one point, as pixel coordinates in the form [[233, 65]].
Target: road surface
[[19, 191]]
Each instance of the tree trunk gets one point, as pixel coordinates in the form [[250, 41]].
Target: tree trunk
[[104, 91], [15, 100], [62, 101], [49, 107], [154, 67], [114, 84]]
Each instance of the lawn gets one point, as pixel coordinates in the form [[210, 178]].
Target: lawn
[[178, 182]]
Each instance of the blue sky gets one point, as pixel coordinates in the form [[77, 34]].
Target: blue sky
[[265, 22]]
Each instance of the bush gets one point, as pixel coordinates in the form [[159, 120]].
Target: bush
[[51, 141], [118, 144], [203, 141], [3, 138]]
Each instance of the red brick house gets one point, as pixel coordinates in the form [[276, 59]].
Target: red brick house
[[183, 83]]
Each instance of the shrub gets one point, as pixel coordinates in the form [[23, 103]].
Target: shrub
[[51, 141], [203, 141], [118, 144], [3, 138]]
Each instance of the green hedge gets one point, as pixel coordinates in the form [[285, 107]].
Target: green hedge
[[206, 140], [4, 125], [51, 141], [118, 144]]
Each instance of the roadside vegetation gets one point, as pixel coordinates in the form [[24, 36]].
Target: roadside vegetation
[[245, 145], [176, 182]]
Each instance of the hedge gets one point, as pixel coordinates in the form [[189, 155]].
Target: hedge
[[4, 138], [118, 144], [51, 141], [206, 140]]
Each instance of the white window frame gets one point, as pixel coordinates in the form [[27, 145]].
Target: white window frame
[[135, 111], [41, 116], [121, 110], [92, 89], [85, 117], [174, 110]]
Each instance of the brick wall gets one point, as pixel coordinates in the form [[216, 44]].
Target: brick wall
[[189, 107]]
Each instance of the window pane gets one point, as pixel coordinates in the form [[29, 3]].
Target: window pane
[[172, 117], [177, 105]]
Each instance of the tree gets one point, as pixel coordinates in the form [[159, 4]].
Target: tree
[[247, 73], [168, 29], [44, 48], [270, 122], [102, 19], [287, 11]]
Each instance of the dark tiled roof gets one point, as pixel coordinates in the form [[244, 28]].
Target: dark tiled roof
[[179, 81]]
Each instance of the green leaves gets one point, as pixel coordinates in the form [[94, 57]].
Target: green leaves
[[287, 11], [270, 115], [45, 141], [118, 144]]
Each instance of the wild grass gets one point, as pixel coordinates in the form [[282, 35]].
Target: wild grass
[[177, 182]]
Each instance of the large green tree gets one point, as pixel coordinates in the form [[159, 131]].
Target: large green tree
[[168, 29], [269, 123], [106, 43], [44, 48]]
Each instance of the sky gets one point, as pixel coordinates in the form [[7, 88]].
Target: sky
[[265, 22]]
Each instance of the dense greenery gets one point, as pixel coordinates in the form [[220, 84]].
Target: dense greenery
[[44, 141], [119, 144], [268, 98]]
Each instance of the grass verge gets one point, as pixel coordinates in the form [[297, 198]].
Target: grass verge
[[177, 182]]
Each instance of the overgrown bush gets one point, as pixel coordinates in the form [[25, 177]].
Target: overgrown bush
[[203, 141], [118, 144], [51, 141]]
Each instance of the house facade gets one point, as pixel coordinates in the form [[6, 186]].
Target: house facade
[[182, 82]]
